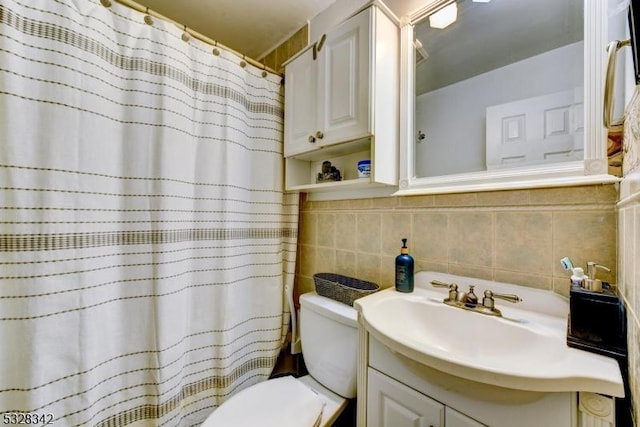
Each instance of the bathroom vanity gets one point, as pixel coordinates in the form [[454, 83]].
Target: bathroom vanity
[[400, 391], [423, 362]]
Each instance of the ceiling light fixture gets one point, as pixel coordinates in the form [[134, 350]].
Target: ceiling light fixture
[[444, 17]]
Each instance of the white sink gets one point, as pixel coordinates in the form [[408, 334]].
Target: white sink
[[525, 349], [469, 336]]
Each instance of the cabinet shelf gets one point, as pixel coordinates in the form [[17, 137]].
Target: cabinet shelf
[[347, 184], [336, 150], [301, 171]]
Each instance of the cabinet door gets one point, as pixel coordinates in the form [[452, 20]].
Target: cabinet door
[[300, 106], [392, 404], [456, 419], [344, 75]]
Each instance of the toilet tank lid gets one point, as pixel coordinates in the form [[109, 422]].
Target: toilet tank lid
[[332, 309]]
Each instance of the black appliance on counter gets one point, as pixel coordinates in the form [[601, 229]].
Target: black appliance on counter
[[598, 324]]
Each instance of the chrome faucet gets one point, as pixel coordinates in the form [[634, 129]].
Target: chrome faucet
[[469, 300]]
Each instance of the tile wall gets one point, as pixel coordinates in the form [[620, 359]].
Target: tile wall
[[629, 268], [511, 236], [629, 243], [287, 49]]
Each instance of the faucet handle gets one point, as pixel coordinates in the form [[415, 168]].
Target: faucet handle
[[453, 289], [489, 296], [439, 284]]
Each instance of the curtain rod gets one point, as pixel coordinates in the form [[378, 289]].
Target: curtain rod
[[137, 6]]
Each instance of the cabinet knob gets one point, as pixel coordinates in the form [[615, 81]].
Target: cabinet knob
[[312, 139], [319, 135]]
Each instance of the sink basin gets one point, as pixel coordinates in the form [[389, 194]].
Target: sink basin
[[470, 336], [525, 349]]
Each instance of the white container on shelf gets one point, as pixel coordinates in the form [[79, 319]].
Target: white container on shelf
[[364, 168]]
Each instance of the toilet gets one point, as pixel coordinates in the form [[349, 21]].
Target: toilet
[[328, 331]]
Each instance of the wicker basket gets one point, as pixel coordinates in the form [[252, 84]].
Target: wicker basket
[[342, 288]]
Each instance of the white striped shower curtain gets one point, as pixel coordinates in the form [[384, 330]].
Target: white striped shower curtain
[[145, 237]]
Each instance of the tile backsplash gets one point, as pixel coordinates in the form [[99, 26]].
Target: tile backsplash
[[629, 273], [631, 139], [629, 243], [510, 236]]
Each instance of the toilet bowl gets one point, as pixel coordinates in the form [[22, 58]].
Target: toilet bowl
[[328, 331]]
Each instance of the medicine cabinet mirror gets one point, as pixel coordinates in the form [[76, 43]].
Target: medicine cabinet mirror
[[509, 95]]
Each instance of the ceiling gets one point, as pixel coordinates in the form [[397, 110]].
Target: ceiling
[[486, 35], [251, 27]]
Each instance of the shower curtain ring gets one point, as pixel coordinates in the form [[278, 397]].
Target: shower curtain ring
[[185, 35], [106, 3], [243, 62], [264, 70], [215, 51], [147, 18]]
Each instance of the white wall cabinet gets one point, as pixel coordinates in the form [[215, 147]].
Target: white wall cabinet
[[341, 105]]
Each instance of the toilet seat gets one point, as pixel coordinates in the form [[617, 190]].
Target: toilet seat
[[279, 402]]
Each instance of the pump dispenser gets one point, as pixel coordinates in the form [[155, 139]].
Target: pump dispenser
[[404, 269]]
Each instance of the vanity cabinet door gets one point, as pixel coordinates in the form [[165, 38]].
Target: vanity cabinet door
[[456, 419], [392, 404], [327, 97], [301, 104], [344, 63]]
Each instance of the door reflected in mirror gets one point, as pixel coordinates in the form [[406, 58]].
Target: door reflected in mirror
[[501, 87]]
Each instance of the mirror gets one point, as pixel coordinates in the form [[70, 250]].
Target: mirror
[[513, 70], [498, 98]]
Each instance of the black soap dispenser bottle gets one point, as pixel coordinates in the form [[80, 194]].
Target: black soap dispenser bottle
[[404, 269]]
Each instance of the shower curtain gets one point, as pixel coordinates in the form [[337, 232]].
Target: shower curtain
[[145, 237]]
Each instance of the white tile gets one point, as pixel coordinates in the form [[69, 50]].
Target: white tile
[[634, 247], [621, 251], [629, 254]]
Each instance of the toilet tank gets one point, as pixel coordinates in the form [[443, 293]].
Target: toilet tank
[[329, 336]]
